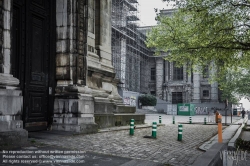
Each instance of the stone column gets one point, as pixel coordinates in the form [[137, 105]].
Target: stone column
[[214, 86], [74, 104], [159, 77], [66, 44], [103, 29], [11, 100], [196, 87]]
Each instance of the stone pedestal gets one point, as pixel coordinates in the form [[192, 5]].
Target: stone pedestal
[[11, 125], [74, 110]]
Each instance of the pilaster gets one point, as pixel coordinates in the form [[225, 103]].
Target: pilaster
[[11, 100], [159, 77], [196, 87]]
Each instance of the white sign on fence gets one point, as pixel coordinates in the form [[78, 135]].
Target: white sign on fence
[[183, 108]]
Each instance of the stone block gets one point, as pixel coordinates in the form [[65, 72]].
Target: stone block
[[124, 119], [73, 120], [7, 79], [63, 73], [107, 86], [17, 137], [7, 5], [7, 20], [104, 108], [59, 20], [10, 125], [75, 114], [62, 46], [72, 46], [75, 106], [72, 33], [6, 36], [105, 120], [61, 33], [82, 128], [11, 105], [64, 18], [111, 120], [62, 60], [125, 109], [72, 19], [61, 6]]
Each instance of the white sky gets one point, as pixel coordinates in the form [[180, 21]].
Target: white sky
[[246, 104], [147, 12]]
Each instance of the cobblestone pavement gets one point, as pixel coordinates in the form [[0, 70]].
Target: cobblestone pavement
[[164, 149]]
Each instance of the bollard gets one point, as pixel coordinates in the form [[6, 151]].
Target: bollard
[[205, 121], [159, 119], [132, 121], [190, 120], [173, 120], [179, 132], [154, 129], [219, 128]]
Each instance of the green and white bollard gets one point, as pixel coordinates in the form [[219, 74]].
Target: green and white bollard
[[159, 119], [179, 132], [190, 120], [154, 129], [132, 122], [205, 121], [173, 119]]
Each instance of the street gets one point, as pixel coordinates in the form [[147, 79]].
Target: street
[[118, 147]]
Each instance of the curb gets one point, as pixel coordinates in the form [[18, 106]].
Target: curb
[[126, 128], [231, 143], [211, 156]]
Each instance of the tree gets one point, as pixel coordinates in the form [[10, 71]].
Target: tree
[[205, 31], [201, 31]]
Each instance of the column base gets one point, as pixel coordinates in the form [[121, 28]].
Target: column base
[[81, 128], [75, 114]]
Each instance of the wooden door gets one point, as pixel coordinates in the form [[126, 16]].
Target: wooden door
[[33, 59]]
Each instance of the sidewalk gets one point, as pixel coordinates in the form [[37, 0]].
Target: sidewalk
[[229, 135]]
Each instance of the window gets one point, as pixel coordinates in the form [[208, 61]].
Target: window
[[177, 72], [153, 74], [205, 93], [176, 97], [152, 93], [205, 72]]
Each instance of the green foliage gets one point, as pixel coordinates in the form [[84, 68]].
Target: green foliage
[[235, 84], [148, 100], [205, 32], [242, 144]]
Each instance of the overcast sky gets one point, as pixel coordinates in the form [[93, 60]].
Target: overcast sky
[[146, 11]]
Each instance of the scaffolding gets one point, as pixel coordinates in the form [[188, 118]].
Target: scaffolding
[[130, 56]]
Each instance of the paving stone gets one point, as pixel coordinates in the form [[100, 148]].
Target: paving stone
[[164, 149]]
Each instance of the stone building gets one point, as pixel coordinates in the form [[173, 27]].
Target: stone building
[[174, 85], [55, 67], [130, 54]]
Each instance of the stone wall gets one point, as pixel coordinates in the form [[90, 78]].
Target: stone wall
[[192, 90]]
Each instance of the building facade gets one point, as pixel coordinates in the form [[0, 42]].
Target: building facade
[[173, 85], [55, 66], [130, 54]]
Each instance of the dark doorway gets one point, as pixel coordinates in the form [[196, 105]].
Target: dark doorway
[[176, 97], [32, 59]]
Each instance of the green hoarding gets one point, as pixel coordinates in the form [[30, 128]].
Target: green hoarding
[[185, 109]]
